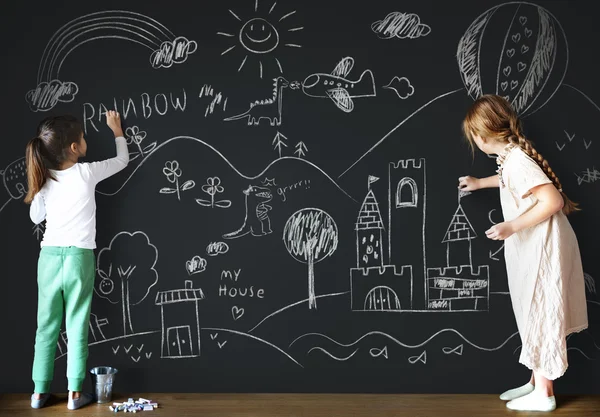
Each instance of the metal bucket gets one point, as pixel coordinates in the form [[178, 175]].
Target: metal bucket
[[102, 381]]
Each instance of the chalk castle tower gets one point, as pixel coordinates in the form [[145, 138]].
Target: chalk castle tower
[[375, 286], [458, 286], [406, 223]]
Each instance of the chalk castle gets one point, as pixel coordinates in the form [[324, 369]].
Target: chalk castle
[[398, 279]]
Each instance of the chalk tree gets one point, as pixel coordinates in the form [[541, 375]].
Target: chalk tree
[[310, 235], [126, 271]]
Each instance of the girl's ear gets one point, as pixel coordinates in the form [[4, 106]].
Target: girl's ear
[[73, 147]]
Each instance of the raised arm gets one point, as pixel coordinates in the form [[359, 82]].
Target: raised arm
[[103, 169]]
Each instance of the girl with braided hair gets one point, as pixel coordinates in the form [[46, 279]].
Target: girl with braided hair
[[543, 263]]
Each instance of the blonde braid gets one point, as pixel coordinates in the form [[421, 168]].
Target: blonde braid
[[525, 144]]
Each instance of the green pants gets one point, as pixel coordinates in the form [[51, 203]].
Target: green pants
[[65, 285]]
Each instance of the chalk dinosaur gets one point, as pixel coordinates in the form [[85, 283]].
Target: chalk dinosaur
[[266, 109], [256, 220]]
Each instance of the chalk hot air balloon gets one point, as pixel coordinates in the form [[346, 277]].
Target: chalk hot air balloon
[[517, 50]]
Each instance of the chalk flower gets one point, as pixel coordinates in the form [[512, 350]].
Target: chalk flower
[[172, 171], [134, 135], [213, 186]]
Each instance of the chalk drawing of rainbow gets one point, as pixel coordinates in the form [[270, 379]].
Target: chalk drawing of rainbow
[[166, 50]]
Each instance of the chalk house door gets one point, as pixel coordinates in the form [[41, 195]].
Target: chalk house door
[[179, 341], [382, 298]]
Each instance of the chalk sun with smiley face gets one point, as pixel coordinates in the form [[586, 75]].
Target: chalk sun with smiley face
[[258, 36]]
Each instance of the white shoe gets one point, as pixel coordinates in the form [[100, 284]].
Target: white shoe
[[84, 399], [534, 401], [511, 394], [41, 402]]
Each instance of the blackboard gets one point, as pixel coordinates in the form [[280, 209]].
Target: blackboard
[[290, 219]]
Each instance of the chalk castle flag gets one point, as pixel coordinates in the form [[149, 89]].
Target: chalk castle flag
[[372, 179], [462, 194]]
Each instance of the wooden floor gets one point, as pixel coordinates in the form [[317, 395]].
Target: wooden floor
[[306, 405]]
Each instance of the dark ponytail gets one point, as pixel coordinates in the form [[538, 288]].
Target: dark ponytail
[[48, 150], [37, 171]]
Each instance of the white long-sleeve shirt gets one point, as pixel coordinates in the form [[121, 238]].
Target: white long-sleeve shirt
[[69, 204]]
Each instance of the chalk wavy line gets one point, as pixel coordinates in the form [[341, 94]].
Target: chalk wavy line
[[397, 126], [405, 345], [568, 337], [330, 355], [593, 340], [255, 338], [580, 351], [229, 163], [293, 305], [587, 332]]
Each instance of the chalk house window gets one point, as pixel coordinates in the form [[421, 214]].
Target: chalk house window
[[407, 193]]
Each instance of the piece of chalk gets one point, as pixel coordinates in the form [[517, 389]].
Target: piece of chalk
[[148, 407], [145, 400]]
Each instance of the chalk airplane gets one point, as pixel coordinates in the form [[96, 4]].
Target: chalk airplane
[[338, 87]]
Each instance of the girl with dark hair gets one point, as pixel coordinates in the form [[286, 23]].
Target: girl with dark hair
[[62, 191]]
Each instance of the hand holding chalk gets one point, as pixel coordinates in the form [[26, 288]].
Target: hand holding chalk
[[500, 231], [468, 183], [113, 120]]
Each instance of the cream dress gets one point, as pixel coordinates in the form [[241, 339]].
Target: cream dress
[[543, 264]]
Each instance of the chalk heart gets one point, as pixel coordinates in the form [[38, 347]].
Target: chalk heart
[[237, 312], [510, 52]]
